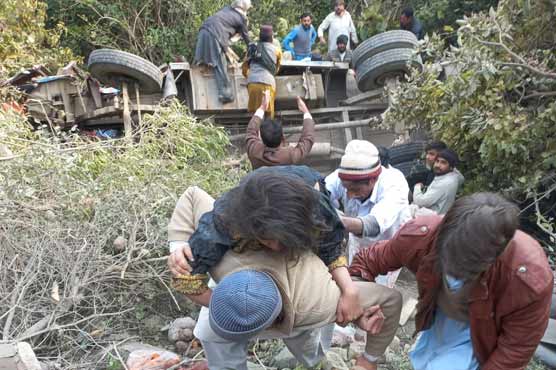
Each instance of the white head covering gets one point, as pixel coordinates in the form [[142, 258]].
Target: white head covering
[[244, 5], [361, 161]]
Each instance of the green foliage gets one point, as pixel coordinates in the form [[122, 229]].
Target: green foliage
[[496, 109], [65, 199], [437, 14], [161, 30], [24, 41]]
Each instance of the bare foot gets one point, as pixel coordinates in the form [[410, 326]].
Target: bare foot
[[361, 363]]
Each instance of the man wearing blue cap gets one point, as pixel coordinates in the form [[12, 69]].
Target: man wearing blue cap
[[268, 290]]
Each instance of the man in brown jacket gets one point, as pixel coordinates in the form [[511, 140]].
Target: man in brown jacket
[[270, 148], [484, 286]]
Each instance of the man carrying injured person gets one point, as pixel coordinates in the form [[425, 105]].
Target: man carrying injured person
[[270, 281]]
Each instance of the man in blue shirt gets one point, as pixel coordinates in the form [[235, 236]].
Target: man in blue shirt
[[303, 37]]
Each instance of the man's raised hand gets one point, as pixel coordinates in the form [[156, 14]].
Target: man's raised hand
[[302, 106]]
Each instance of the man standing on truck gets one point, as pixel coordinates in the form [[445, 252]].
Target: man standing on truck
[[214, 39], [303, 37], [259, 69], [485, 287], [265, 141], [338, 23]]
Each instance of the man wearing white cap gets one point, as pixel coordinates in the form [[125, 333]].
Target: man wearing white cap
[[373, 199]]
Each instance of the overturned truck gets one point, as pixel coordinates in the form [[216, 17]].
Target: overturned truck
[[122, 86]]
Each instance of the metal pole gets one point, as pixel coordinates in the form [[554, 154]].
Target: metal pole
[[321, 127]]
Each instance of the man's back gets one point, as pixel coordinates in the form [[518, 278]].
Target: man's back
[[297, 279], [261, 155]]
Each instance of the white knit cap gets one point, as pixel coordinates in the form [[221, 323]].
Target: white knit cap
[[360, 161], [244, 5]]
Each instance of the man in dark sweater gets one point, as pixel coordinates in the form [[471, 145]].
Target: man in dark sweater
[[408, 22], [270, 148], [214, 39]]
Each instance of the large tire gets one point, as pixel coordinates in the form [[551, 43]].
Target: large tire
[[412, 168], [406, 152], [397, 39], [372, 73], [113, 66]]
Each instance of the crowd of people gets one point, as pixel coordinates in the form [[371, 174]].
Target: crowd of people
[[263, 58], [289, 253], [268, 259]]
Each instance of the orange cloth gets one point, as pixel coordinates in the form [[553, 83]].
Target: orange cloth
[[256, 92]]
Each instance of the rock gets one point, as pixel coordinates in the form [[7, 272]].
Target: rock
[[284, 359], [120, 243], [181, 347], [27, 357], [50, 215], [356, 349], [181, 329], [18, 356], [395, 345], [343, 336], [334, 361], [408, 309]]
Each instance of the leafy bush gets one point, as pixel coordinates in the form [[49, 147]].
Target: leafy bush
[[160, 30], [64, 285], [497, 110], [24, 41]]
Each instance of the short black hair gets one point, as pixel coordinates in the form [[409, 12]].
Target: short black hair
[[450, 156], [271, 133], [436, 145], [342, 39], [384, 155], [265, 34], [408, 12], [474, 232], [305, 14]]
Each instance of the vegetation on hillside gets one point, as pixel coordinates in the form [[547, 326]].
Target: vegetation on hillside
[[499, 109], [24, 39], [161, 30], [83, 230]]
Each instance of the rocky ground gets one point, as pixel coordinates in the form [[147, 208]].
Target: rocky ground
[[273, 355]]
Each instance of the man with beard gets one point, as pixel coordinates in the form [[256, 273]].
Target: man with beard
[[341, 54], [303, 37], [372, 198], [441, 193], [337, 23]]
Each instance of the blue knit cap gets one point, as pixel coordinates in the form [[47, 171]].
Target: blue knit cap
[[243, 304]]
